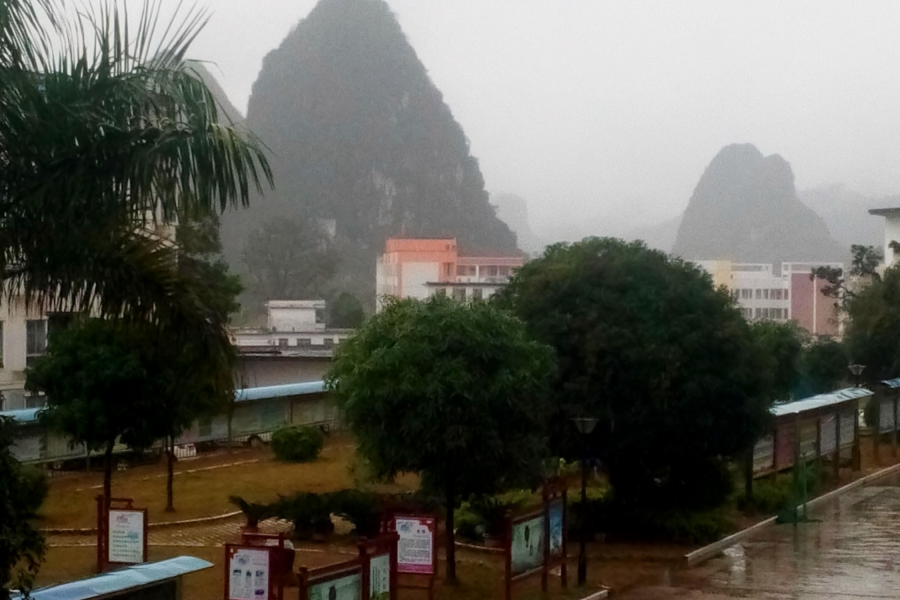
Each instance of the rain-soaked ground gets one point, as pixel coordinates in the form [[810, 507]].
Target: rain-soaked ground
[[851, 550]]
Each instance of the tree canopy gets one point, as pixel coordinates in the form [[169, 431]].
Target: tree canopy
[[451, 391], [288, 259], [874, 327], [104, 134], [346, 311], [664, 361], [22, 491]]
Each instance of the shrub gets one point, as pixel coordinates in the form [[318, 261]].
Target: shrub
[[362, 509], [310, 513], [254, 512], [298, 444], [687, 527], [597, 516]]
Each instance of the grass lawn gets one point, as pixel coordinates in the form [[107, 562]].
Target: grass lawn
[[203, 485]]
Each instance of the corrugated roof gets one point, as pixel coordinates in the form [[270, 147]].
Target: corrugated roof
[[279, 391], [820, 401], [29, 415], [122, 579], [892, 383], [23, 415]]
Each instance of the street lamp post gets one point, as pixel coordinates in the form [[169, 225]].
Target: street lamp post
[[856, 370], [585, 427]]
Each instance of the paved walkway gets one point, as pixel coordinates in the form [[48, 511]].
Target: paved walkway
[[209, 535], [852, 551]]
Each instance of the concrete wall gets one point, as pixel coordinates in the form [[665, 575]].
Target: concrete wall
[[274, 370]]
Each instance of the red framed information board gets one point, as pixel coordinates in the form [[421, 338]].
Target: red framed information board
[[250, 572], [416, 549], [121, 533], [343, 581]]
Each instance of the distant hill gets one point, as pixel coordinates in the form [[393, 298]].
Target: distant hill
[[846, 213], [228, 113], [513, 210], [745, 208], [660, 236], [360, 135]]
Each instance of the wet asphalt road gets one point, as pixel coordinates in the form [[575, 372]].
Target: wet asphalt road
[[851, 551]]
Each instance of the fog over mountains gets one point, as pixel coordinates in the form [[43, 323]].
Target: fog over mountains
[[361, 136]]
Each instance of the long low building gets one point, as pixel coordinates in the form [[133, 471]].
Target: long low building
[[258, 412]]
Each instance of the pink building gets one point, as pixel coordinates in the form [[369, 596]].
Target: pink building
[[419, 268]]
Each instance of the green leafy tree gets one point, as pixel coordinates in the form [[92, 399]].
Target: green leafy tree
[[874, 327], [22, 492], [662, 359], [99, 389], [782, 349], [346, 312], [823, 368], [449, 391], [103, 133], [288, 259], [863, 265]]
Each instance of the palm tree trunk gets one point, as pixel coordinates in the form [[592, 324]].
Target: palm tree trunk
[[170, 459], [451, 545], [107, 472]]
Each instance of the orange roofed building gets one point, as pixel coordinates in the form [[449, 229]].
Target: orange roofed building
[[419, 268]]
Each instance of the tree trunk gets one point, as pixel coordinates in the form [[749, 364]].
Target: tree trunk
[[170, 459], [107, 472], [451, 547]]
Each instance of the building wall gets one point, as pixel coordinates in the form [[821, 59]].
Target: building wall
[[261, 371], [891, 234], [299, 315], [812, 310]]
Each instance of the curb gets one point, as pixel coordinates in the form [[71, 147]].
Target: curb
[[597, 595], [163, 525], [706, 552], [477, 548]]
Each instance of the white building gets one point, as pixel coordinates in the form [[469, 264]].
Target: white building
[[891, 231], [291, 325], [420, 268], [760, 293]]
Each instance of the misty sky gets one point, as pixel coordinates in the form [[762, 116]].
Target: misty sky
[[610, 110]]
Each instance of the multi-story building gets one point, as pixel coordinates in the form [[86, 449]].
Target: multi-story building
[[791, 294], [420, 268], [891, 232], [291, 325]]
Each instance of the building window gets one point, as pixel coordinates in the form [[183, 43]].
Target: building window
[[491, 271], [1, 344], [35, 339], [282, 342], [329, 342], [758, 313], [462, 270], [786, 295], [447, 267], [504, 271], [766, 294], [758, 294], [459, 294], [441, 292], [746, 294], [304, 342], [477, 294]]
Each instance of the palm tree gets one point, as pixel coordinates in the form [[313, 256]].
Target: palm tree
[[105, 132]]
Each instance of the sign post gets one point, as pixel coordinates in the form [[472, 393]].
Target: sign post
[[379, 558], [536, 540], [416, 548], [248, 573], [343, 581], [121, 533]]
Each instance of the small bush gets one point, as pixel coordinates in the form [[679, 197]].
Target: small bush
[[298, 444], [310, 513], [254, 512], [682, 527], [362, 509]]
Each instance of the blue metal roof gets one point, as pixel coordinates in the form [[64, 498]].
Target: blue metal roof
[[122, 579], [279, 391], [820, 401], [892, 383], [24, 415], [29, 415]]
